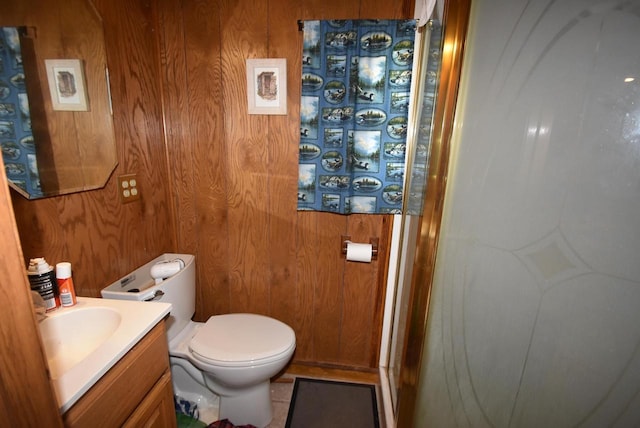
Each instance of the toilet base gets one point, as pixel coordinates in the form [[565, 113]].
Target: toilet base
[[188, 384], [251, 406]]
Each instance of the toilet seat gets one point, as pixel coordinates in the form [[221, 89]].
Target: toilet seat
[[237, 340]]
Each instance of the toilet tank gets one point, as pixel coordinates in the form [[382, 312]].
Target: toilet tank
[[178, 289]]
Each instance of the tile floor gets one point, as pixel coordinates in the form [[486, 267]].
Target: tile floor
[[281, 392], [281, 397]]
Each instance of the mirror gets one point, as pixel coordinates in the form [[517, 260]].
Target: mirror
[[56, 141]]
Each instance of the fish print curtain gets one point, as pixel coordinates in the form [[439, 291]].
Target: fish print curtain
[[356, 77], [16, 137]]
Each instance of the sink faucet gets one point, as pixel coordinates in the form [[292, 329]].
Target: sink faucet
[[39, 306]]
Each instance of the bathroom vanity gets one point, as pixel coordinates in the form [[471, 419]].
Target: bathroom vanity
[[108, 363], [135, 392]]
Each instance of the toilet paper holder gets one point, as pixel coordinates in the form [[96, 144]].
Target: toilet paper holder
[[345, 239]]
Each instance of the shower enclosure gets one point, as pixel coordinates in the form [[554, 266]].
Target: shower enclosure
[[533, 317]]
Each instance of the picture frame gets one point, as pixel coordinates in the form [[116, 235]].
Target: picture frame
[[67, 84], [267, 86]]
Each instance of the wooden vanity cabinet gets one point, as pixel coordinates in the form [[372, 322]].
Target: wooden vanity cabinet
[[136, 392], [157, 409]]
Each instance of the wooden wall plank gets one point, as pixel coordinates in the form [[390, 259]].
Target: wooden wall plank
[[329, 305], [179, 145], [206, 145], [304, 317], [244, 34], [384, 9], [285, 41]]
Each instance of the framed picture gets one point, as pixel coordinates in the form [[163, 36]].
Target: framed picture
[[267, 86], [66, 84]]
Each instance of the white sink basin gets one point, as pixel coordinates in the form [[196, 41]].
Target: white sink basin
[[71, 335], [84, 341]]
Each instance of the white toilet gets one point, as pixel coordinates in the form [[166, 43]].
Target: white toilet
[[231, 356]]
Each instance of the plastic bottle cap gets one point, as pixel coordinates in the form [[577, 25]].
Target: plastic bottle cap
[[63, 270], [38, 266]]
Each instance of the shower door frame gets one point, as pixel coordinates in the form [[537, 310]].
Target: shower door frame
[[405, 225], [455, 24]]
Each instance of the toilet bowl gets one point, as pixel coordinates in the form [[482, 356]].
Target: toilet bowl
[[237, 355], [233, 356]]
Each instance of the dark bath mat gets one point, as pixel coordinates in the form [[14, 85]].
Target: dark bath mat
[[321, 403]]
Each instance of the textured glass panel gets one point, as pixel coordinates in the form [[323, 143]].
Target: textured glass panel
[[534, 318]]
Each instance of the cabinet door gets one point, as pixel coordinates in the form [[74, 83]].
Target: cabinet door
[[157, 409], [118, 393]]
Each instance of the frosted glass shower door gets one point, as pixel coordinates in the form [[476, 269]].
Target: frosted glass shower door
[[535, 312]]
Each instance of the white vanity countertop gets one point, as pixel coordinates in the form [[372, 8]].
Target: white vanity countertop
[[136, 320]]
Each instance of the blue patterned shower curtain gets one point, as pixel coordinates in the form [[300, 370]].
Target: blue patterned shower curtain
[[356, 77]]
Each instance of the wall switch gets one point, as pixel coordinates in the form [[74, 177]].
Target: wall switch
[[128, 188]]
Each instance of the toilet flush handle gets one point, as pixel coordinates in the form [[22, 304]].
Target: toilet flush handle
[[157, 295]]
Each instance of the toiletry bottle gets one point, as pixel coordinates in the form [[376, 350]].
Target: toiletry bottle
[[65, 284], [42, 279]]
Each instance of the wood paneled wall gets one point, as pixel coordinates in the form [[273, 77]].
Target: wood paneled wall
[[237, 208], [217, 182]]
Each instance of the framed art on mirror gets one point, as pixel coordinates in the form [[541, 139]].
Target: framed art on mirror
[[66, 84]]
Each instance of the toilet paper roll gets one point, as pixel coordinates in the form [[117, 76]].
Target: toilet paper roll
[[359, 252]]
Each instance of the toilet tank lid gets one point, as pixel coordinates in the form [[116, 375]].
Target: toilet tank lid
[[242, 337]]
